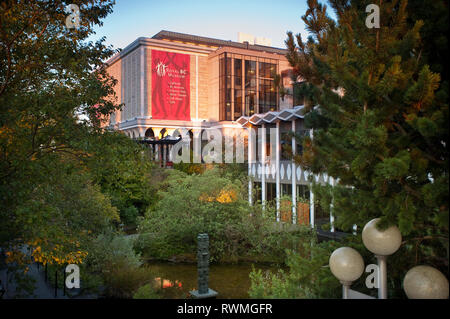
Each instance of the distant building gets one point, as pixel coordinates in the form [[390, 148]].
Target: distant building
[[174, 80], [179, 81], [251, 39]]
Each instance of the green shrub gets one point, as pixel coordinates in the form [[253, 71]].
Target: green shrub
[[212, 203], [110, 249], [113, 258], [129, 215], [147, 291], [309, 275], [124, 279]]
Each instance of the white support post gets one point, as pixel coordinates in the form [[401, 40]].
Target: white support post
[[263, 165], [277, 165], [311, 196], [250, 162], [294, 185], [331, 217]]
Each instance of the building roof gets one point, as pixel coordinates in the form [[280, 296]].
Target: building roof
[[176, 36]]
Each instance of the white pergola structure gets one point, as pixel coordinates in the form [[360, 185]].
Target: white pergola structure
[[264, 169]]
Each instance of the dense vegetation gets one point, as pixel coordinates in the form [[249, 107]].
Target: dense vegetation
[[67, 186], [212, 202], [64, 181], [379, 111]]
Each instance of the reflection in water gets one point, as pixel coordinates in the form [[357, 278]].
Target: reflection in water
[[230, 281], [166, 283]]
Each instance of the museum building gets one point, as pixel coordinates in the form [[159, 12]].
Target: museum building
[[175, 80]]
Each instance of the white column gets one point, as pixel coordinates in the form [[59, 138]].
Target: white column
[[250, 161], [333, 183], [277, 165], [331, 216], [355, 228], [263, 164], [294, 185]]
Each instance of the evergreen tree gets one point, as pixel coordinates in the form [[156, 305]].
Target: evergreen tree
[[379, 115]]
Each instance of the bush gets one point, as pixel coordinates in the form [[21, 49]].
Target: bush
[[129, 215], [111, 249], [211, 203], [120, 267], [124, 279], [147, 291]]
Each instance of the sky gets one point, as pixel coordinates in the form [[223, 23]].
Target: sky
[[223, 19]]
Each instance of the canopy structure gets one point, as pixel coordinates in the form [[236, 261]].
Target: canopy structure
[[161, 149], [271, 117], [167, 140]]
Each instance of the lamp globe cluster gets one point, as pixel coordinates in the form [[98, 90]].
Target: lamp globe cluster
[[420, 282]]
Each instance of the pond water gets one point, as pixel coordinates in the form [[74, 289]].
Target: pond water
[[229, 280]]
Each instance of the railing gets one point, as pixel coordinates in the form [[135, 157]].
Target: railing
[[302, 177]]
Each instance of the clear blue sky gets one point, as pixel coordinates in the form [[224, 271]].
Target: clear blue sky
[[217, 19]]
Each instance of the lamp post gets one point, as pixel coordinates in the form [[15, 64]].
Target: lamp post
[[347, 265], [382, 244], [420, 282]]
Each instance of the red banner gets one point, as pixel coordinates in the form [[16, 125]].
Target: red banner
[[170, 86]]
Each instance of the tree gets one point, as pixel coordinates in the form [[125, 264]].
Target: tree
[[49, 77], [379, 115]]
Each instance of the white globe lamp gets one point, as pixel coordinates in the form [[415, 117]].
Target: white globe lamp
[[425, 282]]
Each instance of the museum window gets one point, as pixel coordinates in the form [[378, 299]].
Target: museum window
[[246, 86], [225, 88], [267, 91], [238, 101]]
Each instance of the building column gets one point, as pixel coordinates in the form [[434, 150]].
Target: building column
[[250, 161], [141, 131], [331, 216], [311, 196], [277, 165], [294, 185], [331, 208], [263, 165]]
